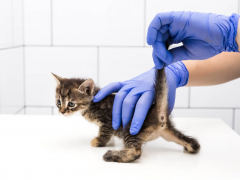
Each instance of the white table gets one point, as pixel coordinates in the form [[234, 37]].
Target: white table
[[56, 147]]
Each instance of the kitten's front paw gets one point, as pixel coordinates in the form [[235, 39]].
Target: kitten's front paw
[[96, 143], [109, 156]]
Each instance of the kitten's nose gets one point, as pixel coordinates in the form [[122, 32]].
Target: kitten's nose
[[62, 111]]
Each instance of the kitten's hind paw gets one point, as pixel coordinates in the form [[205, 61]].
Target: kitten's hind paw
[[96, 143], [193, 147]]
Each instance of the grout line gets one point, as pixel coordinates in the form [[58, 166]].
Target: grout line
[[19, 110], [144, 22], [189, 95], [11, 47], [51, 19], [233, 123], [39, 106], [87, 46], [226, 108], [98, 66], [52, 110]]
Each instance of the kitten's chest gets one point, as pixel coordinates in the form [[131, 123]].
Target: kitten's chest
[[92, 118]]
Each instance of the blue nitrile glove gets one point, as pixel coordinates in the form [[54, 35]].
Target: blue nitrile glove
[[139, 92], [203, 35]]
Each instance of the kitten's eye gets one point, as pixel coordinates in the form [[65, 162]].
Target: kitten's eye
[[58, 102], [70, 104]]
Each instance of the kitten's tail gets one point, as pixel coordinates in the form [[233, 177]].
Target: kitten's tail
[[161, 94]]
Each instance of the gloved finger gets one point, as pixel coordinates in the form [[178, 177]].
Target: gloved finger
[[113, 87], [158, 63], [162, 53], [117, 109], [143, 105], [158, 21], [128, 106], [164, 29], [165, 36], [162, 37], [179, 53]]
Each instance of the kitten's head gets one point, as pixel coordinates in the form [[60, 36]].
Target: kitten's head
[[73, 95]]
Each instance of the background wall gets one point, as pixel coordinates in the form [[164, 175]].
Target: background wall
[[101, 39]]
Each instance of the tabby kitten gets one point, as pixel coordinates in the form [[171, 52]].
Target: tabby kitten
[[74, 95]]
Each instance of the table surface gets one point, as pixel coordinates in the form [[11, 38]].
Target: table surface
[[56, 147]]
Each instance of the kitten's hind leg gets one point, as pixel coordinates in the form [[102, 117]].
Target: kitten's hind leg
[[104, 135], [190, 144], [131, 152]]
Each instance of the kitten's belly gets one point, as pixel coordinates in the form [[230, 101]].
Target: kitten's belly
[[154, 135]]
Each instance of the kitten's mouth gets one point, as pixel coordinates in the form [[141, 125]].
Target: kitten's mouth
[[66, 115]]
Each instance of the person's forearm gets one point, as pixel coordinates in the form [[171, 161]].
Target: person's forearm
[[219, 69]]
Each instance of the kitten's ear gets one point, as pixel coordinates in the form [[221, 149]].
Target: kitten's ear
[[87, 87], [57, 79]]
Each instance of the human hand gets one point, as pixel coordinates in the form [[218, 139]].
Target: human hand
[[135, 96], [203, 35]]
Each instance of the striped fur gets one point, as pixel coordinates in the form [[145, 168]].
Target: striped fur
[[157, 123]]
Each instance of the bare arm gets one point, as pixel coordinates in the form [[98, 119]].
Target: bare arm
[[219, 69]]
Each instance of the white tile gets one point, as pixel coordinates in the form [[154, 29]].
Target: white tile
[[154, 7], [10, 110], [5, 24], [224, 95], [55, 111], [225, 114], [11, 78], [17, 24], [63, 61], [120, 64], [94, 22], [182, 97], [21, 111], [237, 121], [37, 22], [38, 110]]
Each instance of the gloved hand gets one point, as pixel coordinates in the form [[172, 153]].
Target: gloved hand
[[203, 35], [139, 92]]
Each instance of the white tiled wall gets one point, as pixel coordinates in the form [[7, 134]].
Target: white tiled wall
[[37, 22], [38, 110], [224, 95], [120, 64], [101, 39], [6, 27], [17, 22], [63, 61], [237, 121], [98, 22], [11, 80], [225, 114]]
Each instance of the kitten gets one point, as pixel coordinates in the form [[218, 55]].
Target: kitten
[[73, 95]]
